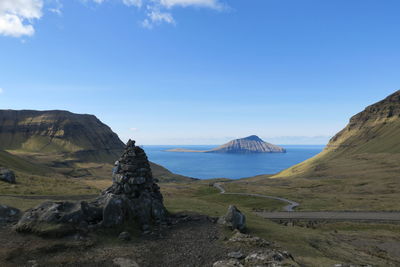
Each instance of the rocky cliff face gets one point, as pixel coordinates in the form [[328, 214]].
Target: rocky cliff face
[[250, 144], [374, 130], [83, 136]]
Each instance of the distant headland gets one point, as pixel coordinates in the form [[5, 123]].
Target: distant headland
[[250, 144]]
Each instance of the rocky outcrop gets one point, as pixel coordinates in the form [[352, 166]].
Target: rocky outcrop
[[7, 176], [248, 240], [134, 198], [259, 253], [55, 131], [233, 219]]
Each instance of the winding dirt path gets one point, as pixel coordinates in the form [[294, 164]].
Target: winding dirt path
[[290, 214], [290, 207]]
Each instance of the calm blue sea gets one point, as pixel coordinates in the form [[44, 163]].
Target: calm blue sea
[[234, 166]]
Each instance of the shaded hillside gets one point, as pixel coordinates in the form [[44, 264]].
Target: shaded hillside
[[55, 131], [22, 164], [371, 141]]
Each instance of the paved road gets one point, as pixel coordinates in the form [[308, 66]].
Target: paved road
[[291, 204], [289, 214], [333, 216]]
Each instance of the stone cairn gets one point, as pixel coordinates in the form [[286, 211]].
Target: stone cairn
[[134, 183], [133, 198], [132, 174]]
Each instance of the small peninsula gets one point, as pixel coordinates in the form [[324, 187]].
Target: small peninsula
[[250, 144]]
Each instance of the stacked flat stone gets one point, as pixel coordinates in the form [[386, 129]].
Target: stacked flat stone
[[132, 174], [135, 187], [134, 198]]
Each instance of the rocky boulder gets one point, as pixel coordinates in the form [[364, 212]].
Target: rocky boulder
[[55, 219], [133, 198], [124, 236], [248, 240], [7, 175], [234, 219], [8, 214]]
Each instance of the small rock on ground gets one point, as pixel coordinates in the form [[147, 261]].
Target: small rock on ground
[[234, 219], [124, 262], [249, 240], [124, 236], [236, 255], [8, 214], [7, 175], [228, 263]]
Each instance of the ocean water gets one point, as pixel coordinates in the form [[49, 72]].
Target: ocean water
[[234, 166]]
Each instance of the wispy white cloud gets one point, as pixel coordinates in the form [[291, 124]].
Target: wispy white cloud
[[56, 8], [17, 16], [159, 11], [156, 17], [1, 90], [136, 3], [215, 4]]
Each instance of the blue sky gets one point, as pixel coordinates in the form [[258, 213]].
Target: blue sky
[[202, 71]]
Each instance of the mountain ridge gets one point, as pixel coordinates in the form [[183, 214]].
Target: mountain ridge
[[63, 142], [372, 134], [58, 131]]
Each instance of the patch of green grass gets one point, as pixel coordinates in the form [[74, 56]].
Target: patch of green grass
[[20, 203], [15, 162], [39, 185], [310, 247]]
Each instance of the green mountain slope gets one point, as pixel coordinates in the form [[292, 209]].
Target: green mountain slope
[[22, 164], [83, 136], [69, 144], [371, 137]]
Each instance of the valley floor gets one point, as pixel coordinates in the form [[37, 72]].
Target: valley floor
[[312, 243]]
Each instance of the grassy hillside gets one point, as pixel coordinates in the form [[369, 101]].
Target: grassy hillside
[[55, 131], [373, 134], [358, 170], [63, 143], [22, 164]]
